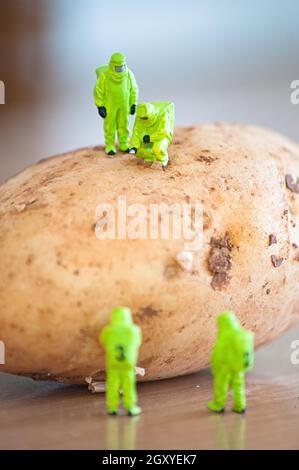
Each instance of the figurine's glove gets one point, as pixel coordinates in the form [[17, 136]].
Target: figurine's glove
[[102, 111], [133, 150], [133, 109], [146, 139]]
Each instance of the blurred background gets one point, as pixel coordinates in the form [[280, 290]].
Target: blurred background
[[216, 59]]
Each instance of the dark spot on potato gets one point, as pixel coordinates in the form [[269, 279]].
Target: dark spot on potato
[[206, 159], [207, 220], [220, 261], [272, 239], [276, 261], [76, 272], [29, 260], [268, 291], [296, 258], [291, 184], [169, 360], [170, 314], [171, 271], [148, 311]]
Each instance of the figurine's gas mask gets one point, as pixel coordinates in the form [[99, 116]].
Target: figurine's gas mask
[[118, 67]]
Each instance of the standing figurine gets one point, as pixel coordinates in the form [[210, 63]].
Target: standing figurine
[[115, 95], [121, 340], [153, 131], [232, 356]]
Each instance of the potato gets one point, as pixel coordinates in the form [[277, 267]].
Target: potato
[[59, 282]]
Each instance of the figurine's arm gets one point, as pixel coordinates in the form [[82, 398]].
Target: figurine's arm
[[103, 336], [133, 90], [99, 92], [135, 139]]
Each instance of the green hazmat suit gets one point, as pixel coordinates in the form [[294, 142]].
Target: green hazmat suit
[[153, 131], [116, 91], [121, 340], [232, 356]]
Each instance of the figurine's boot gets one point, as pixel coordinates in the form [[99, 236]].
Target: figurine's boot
[[238, 388], [217, 407], [221, 382], [129, 391], [135, 411], [110, 150], [112, 390], [164, 160], [123, 129], [160, 151]]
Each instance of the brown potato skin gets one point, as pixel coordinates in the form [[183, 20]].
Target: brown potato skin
[[59, 283]]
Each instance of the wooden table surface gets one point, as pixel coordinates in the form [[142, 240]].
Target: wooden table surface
[[39, 415]]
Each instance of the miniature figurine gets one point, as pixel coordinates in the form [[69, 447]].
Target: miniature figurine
[[232, 356], [115, 96], [153, 131], [121, 340]]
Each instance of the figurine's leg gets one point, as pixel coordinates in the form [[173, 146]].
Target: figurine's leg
[[129, 391], [123, 129], [238, 388], [112, 391], [110, 129], [160, 150], [221, 384]]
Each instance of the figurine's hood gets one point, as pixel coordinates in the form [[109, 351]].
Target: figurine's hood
[[121, 316], [117, 66], [147, 113], [227, 320]]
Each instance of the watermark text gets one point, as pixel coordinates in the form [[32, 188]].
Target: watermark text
[[295, 92], [295, 353], [2, 353], [175, 221], [2, 92]]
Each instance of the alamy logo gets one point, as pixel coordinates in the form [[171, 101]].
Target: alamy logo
[[295, 354], [295, 92], [2, 92], [2, 353], [176, 221]]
